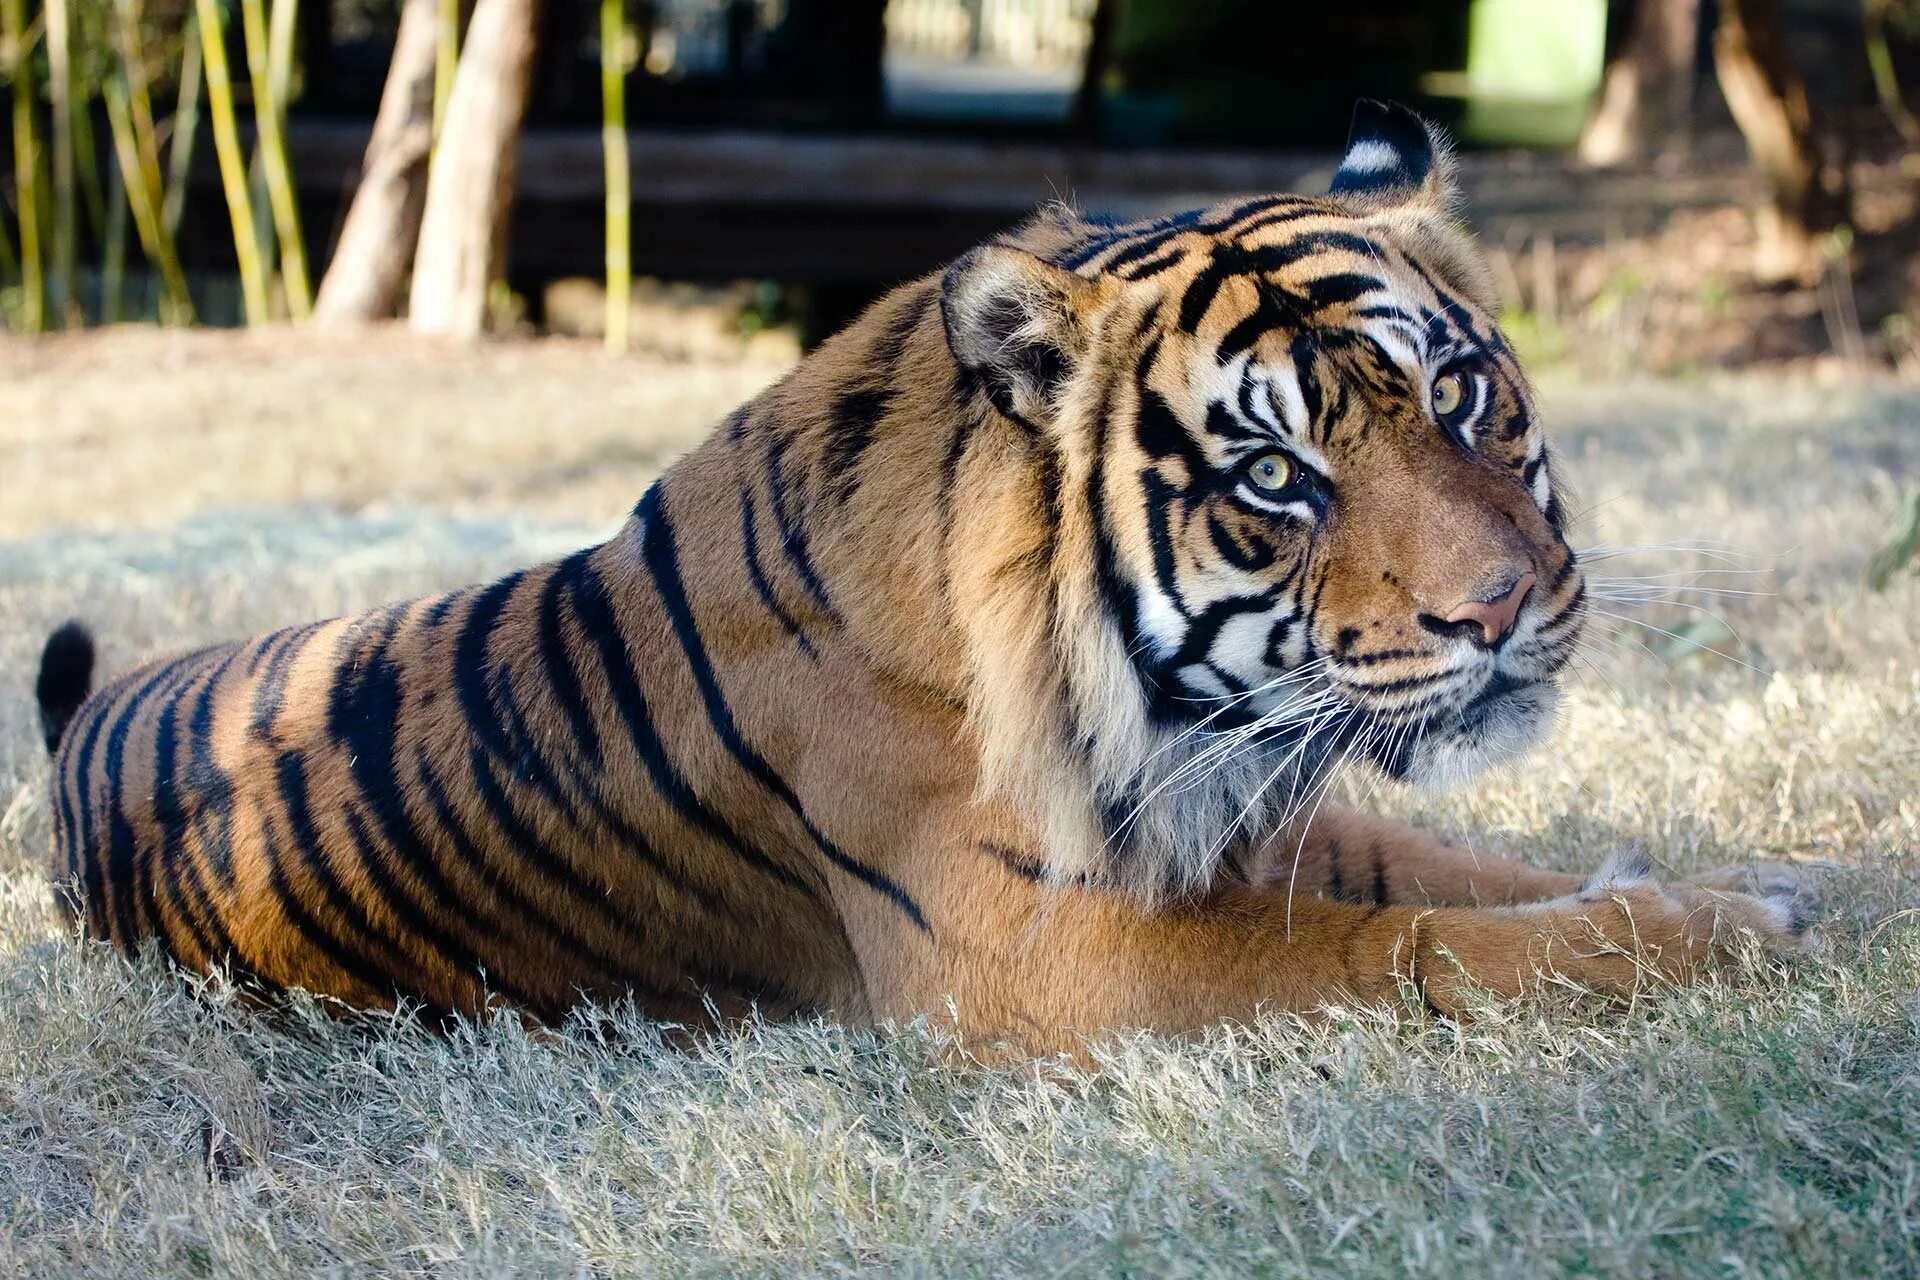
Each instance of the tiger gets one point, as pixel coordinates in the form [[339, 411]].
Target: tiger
[[994, 666]]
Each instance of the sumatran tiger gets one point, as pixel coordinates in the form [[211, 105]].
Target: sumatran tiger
[[993, 665]]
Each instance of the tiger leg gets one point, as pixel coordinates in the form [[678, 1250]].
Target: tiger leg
[[1025, 966], [1357, 857]]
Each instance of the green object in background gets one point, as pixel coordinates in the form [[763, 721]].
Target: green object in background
[[1900, 548], [1532, 69]]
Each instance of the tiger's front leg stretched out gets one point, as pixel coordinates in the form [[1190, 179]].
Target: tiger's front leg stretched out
[[1034, 967]]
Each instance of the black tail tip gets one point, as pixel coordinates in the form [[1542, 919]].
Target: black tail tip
[[66, 674]]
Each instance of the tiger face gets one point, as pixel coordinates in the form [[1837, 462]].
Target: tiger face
[[1344, 515], [1317, 503]]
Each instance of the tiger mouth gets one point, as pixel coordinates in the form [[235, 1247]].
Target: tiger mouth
[[1507, 715], [1504, 687]]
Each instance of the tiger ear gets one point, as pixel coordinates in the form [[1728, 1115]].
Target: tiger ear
[[1399, 170], [1395, 159], [1018, 323]]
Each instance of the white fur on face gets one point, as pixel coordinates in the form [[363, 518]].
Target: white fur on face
[[1513, 725]]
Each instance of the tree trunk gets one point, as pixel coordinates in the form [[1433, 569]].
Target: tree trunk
[[370, 263], [470, 182], [1769, 102], [1646, 96], [1091, 93]]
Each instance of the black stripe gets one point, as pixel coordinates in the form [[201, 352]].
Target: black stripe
[[1158, 230], [523, 909], [87, 852], [122, 843], [89, 864], [750, 542], [593, 602], [557, 661], [1226, 262], [484, 687], [170, 820], [304, 844], [1247, 559], [1295, 213], [364, 711], [793, 539], [1153, 267], [1204, 627], [656, 547], [967, 419], [1159, 499], [211, 823], [1336, 888], [855, 415], [1374, 690], [366, 707], [278, 655], [857, 412], [1274, 257], [208, 783], [1021, 864], [540, 856]]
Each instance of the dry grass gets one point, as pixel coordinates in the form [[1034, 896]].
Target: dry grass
[[1767, 1125]]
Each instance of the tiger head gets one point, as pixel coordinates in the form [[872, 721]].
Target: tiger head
[[1299, 512]]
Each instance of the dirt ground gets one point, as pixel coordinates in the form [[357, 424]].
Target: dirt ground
[[177, 488], [137, 426]]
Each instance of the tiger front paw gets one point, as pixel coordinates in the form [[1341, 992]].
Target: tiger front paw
[[1704, 915]]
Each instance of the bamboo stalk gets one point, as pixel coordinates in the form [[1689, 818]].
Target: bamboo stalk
[[9, 261], [63, 294], [233, 167], [271, 148], [26, 168], [269, 246], [139, 100], [136, 144], [86, 160], [446, 59], [186, 125], [144, 202], [113, 248], [613, 138]]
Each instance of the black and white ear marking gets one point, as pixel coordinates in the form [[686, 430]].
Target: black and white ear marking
[[1389, 151], [1014, 320]]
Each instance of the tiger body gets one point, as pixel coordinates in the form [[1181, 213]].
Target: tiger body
[[982, 664]]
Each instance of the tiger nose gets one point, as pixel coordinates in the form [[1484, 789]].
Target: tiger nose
[[1485, 622]]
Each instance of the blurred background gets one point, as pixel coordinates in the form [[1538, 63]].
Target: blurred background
[[1664, 185]]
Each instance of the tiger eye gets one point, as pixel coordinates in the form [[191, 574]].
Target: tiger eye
[[1449, 393], [1271, 471]]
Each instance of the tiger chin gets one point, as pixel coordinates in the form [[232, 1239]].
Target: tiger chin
[[994, 665]]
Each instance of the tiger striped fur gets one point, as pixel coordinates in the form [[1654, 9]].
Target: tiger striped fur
[[997, 659]]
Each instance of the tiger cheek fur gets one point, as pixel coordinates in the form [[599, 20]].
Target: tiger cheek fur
[[981, 665]]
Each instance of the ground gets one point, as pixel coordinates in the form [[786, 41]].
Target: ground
[[178, 488]]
